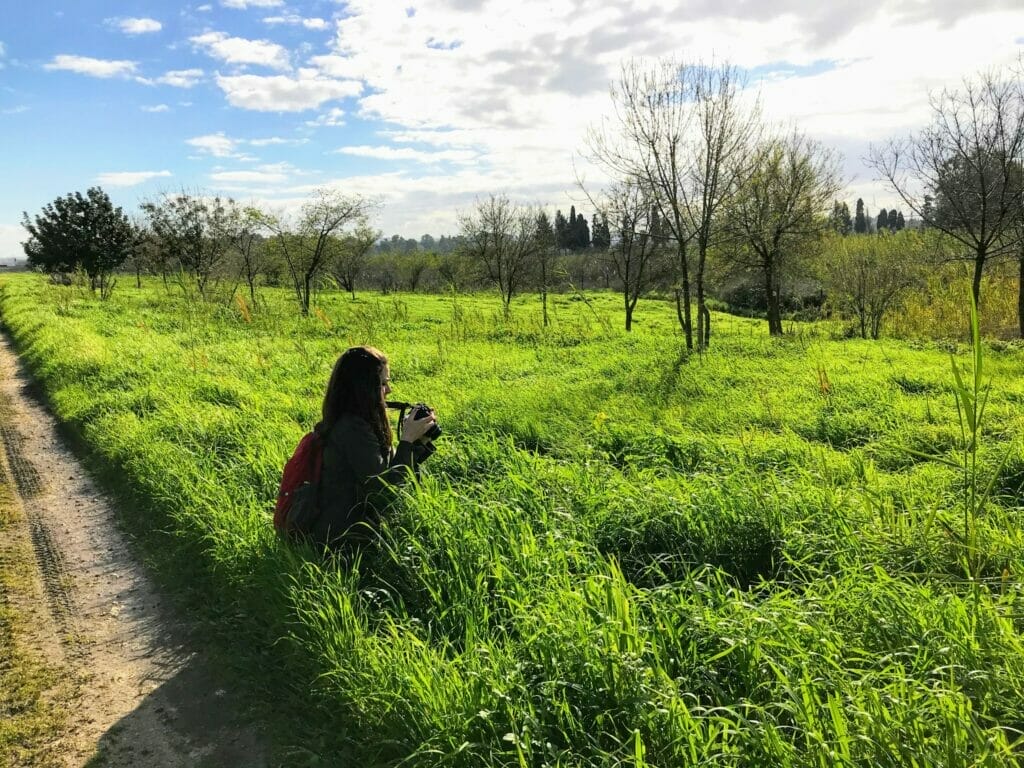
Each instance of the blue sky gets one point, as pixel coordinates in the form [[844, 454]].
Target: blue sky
[[429, 105]]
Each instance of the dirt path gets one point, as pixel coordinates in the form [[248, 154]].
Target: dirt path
[[140, 694]]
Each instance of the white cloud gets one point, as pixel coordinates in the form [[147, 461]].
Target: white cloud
[[205, 8], [129, 178], [3, 52], [308, 90], [216, 144], [294, 19], [251, 3], [238, 50], [15, 110], [407, 153], [157, 108], [333, 117], [221, 145], [85, 65], [181, 78], [518, 82], [276, 140], [138, 26], [249, 177]]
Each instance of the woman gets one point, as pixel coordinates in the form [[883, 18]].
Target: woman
[[359, 461]]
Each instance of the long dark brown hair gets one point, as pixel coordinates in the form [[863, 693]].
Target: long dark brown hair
[[355, 387]]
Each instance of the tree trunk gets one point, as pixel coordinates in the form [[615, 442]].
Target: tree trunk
[[979, 266], [700, 317], [1020, 293], [304, 297], [706, 314], [772, 290], [629, 311], [703, 316], [544, 305], [687, 316]]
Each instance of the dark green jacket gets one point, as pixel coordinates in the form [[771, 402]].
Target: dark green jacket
[[356, 473]]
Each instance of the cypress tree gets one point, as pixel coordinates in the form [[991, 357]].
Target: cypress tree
[[561, 231], [882, 222], [583, 238], [600, 234], [860, 222]]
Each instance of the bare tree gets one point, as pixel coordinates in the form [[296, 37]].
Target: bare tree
[[305, 242], [546, 256], [868, 276], [781, 204], [968, 158], [501, 237], [636, 236], [681, 129], [243, 235]]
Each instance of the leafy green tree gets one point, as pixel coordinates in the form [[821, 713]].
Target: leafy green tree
[[927, 211], [81, 231], [196, 232], [840, 220], [348, 252]]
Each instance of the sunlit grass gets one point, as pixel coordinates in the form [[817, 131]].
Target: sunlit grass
[[619, 555]]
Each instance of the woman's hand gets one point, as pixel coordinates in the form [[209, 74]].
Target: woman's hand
[[414, 429]]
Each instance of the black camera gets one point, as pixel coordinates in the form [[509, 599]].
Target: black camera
[[417, 411], [422, 411]]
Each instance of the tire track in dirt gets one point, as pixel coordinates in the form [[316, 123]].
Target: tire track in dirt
[[144, 695], [28, 485]]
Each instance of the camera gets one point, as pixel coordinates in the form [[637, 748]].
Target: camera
[[422, 411], [416, 411]]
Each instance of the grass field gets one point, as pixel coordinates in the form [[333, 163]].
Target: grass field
[[620, 555]]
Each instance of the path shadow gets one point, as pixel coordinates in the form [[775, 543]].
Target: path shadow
[[188, 720]]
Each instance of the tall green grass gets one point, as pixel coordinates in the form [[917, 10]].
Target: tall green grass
[[618, 556]]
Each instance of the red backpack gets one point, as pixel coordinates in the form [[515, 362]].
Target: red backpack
[[297, 508]]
